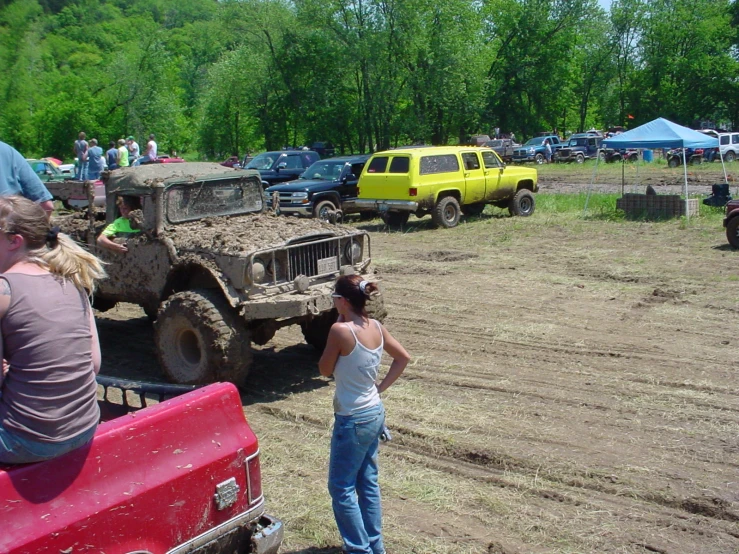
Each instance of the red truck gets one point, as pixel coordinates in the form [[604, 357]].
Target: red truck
[[179, 476]]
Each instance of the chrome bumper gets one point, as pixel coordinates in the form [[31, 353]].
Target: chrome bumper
[[253, 529], [386, 205]]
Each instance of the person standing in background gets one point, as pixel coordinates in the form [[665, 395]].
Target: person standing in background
[[151, 149], [17, 177], [96, 162], [112, 156], [122, 153], [81, 151]]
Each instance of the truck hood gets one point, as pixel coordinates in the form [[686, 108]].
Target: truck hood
[[303, 185], [243, 235]]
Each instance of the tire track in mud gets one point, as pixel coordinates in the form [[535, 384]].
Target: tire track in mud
[[452, 334], [582, 489]]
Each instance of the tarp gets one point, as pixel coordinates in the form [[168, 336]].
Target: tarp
[[661, 133]]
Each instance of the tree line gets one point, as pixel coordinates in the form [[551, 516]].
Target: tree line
[[214, 78]]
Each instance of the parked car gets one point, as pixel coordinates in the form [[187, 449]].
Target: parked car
[[325, 187], [282, 165], [533, 150], [324, 149], [579, 147], [48, 170], [233, 162], [503, 147], [728, 145], [443, 181], [181, 475]]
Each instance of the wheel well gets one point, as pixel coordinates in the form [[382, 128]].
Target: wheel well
[[190, 277], [454, 193], [334, 198], [527, 184]]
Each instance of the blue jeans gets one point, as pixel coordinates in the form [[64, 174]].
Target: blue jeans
[[18, 450], [81, 174], [352, 480]]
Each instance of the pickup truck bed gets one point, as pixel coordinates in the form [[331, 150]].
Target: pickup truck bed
[[179, 476]]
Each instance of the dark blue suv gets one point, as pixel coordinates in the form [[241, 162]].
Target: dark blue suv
[[326, 186], [282, 165]]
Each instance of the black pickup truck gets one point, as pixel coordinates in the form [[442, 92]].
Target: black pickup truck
[[324, 188]]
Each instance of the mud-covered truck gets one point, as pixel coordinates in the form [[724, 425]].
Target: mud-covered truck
[[180, 476], [215, 269]]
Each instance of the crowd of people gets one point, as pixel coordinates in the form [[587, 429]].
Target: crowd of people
[[91, 160]]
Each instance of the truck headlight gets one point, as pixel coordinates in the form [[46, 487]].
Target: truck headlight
[[352, 252], [299, 197], [258, 271]]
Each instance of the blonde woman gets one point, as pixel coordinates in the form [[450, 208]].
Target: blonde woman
[[352, 355], [49, 344]]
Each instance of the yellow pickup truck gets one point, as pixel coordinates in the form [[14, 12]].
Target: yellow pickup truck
[[444, 181]]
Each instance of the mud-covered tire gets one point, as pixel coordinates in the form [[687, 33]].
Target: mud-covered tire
[[522, 204], [732, 232], [395, 219], [446, 213], [473, 209], [323, 209], [315, 330], [201, 339], [102, 304], [673, 162]]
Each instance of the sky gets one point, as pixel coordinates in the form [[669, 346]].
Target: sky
[[605, 4]]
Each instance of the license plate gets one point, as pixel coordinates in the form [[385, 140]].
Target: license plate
[[327, 265]]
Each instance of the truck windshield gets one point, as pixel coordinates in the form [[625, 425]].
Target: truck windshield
[[534, 141], [330, 170], [189, 202], [263, 161]]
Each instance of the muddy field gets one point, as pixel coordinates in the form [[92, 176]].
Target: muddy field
[[574, 388]]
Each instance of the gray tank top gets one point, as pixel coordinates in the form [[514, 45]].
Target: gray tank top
[[355, 376], [49, 393]]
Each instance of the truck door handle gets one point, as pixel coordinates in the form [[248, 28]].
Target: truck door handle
[[467, 174]]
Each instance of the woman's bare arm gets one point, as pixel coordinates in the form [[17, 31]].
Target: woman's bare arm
[[400, 360]]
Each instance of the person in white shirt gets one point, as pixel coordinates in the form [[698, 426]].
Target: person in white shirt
[[151, 149]]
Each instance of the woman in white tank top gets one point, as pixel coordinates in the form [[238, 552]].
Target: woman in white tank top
[[352, 355]]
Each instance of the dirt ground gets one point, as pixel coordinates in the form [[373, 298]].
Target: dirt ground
[[574, 388]]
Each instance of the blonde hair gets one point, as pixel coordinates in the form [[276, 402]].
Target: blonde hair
[[47, 247]]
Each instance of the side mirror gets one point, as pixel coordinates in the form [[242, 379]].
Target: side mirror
[[282, 165]]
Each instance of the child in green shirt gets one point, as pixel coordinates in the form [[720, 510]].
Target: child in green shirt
[[121, 227]]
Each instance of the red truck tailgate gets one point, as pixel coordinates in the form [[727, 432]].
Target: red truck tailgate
[[150, 480]]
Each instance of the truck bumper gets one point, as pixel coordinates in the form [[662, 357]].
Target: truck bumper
[[385, 205], [317, 299], [299, 209], [240, 534]]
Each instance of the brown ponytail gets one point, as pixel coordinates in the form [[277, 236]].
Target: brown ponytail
[[356, 290]]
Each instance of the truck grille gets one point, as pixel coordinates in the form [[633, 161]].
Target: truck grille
[[303, 260], [313, 257], [565, 152]]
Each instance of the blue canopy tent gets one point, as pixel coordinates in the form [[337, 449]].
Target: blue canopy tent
[[662, 133]]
